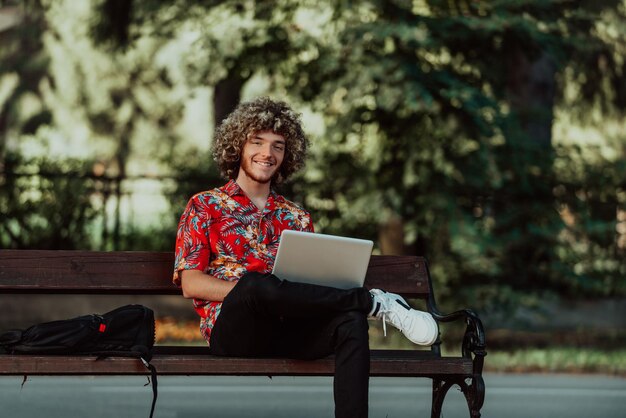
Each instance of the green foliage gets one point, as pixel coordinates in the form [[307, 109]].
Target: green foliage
[[558, 360], [441, 113], [24, 58], [592, 200], [157, 237], [195, 172], [45, 204], [110, 111]]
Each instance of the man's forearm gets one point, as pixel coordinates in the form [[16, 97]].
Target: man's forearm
[[198, 285]]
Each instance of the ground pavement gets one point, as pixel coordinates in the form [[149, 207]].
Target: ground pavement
[[508, 396]]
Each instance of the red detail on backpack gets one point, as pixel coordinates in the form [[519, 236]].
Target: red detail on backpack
[[102, 328]]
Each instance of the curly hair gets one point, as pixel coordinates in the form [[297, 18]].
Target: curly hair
[[258, 115]]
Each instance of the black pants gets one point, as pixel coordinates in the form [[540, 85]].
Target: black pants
[[264, 316]]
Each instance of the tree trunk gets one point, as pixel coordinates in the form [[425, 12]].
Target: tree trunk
[[522, 206], [391, 236], [531, 87], [226, 97]]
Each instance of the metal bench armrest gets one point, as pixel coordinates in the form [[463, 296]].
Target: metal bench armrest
[[473, 345]]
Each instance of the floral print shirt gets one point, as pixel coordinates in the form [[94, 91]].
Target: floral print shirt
[[222, 233]]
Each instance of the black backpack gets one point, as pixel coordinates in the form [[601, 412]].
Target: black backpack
[[127, 331]]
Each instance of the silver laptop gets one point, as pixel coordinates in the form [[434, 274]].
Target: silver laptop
[[326, 260]]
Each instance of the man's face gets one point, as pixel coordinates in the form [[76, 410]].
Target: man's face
[[262, 156]]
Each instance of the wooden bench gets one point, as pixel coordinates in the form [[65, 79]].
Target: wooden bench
[[149, 273]]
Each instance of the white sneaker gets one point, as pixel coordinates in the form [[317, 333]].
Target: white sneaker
[[419, 327]]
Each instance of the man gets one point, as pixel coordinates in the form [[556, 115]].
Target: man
[[225, 249]]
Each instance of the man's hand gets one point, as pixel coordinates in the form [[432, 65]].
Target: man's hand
[[198, 285]]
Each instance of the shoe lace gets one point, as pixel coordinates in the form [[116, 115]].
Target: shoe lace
[[384, 318], [387, 313]]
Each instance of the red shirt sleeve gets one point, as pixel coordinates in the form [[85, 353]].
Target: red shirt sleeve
[[192, 239]]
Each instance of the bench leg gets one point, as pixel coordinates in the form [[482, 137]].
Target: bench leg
[[440, 389], [474, 395], [474, 392]]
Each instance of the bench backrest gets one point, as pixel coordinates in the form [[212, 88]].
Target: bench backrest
[[137, 272]]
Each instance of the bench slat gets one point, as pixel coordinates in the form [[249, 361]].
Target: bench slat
[[93, 272], [383, 363]]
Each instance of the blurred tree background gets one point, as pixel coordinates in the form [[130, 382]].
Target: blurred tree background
[[487, 136]]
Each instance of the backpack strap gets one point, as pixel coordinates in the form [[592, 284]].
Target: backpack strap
[[153, 380], [143, 354]]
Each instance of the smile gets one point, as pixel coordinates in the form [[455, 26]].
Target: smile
[[264, 163]]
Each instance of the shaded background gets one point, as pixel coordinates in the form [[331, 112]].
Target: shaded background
[[488, 136]]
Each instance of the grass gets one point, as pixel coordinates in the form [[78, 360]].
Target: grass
[[558, 360]]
